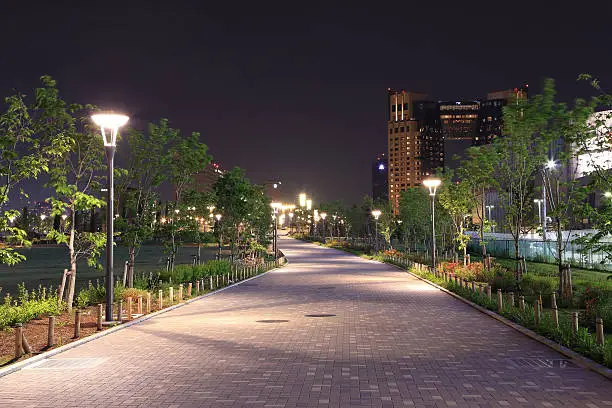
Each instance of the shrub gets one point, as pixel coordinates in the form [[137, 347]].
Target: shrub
[[26, 307]]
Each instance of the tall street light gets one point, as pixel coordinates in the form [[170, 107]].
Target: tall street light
[[433, 184], [109, 125], [218, 225], [323, 216], [302, 198], [375, 214], [275, 207], [489, 208], [539, 202]]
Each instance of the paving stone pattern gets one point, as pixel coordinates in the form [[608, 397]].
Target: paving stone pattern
[[394, 342]]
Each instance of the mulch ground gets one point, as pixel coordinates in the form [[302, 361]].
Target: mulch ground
[[36, 332]]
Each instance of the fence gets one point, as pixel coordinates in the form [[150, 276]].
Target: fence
[[544, 251]]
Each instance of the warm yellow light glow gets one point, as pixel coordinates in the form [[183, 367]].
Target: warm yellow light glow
[[276, 205], [64, 216], [432, 184], [308, 204], [218, 217], [608, 194], [376, 214], [323, 215], [112, 122], [302, 198]]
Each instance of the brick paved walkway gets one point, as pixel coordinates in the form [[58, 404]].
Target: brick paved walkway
[[393, 342]]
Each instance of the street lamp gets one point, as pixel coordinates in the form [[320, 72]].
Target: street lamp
[[218, 217], [302, 198], [489, 208], [308, 204], [539, 202], [375, 214], [275, 207], [109, 125], [433, 184], [323, 216]]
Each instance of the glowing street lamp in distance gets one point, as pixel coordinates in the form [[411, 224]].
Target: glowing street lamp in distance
[[308, 204], [608, 194], [302, 198], [218, 217], [376, 214], [432, 184], [323, 215], [551, 164]]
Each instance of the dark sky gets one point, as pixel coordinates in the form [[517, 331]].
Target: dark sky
[[296, 90]]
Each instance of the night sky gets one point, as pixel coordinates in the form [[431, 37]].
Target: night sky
[[296, 90]]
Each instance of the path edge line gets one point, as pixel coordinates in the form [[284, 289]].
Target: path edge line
[[50, 353]]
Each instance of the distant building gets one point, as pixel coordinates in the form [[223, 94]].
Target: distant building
[[490, 124], [380, 174], [415, 141]]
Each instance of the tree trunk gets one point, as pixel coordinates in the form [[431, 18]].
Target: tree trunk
[[130, 277], [71, 282]]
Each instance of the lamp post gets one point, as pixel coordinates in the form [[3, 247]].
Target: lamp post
[[275, 207], [432, 185], [218, 218], [489, 208], [376, 214], [323, 216], [109, 124]]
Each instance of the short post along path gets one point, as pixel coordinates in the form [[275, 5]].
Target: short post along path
[[391, 341]]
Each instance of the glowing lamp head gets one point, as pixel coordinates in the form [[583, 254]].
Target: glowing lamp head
[[432, 184], [381, 166], [608, 194], [323, 215], [302, 198], [308, 204], [112, 122], [218, 217], [64, 216], [376, 214], [551, 164], [290, 215]]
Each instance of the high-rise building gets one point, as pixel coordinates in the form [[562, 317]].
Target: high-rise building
[[380, 181], [460, 128], [490, 123], [415, 141]]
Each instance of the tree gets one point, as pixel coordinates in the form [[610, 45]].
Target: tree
[[26, 149], [518, 156], [387, 222], [196, 210], [186, 157], [414, 212], [148, 162], [476, 172], [457, 199], [73, 177], [245, 209]]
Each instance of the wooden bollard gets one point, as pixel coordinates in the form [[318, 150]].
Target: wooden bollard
[[217, 283], [160, 299], [51, 332], [537, 313], [211, 283], [189, 287], [77, 324], [500, 301], [574, 323], [456, 280], [511, 299], [197, 287], [171, 294], [129, 308], [473, 286], [554, 309], [18, 340], [489, 291], [24, 343], [98, 317], [139, 307], [599, 331], [522, 303], [120, 311], [180, 293]]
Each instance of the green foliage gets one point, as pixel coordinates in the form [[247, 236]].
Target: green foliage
[[189, 273], [27, 306]]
